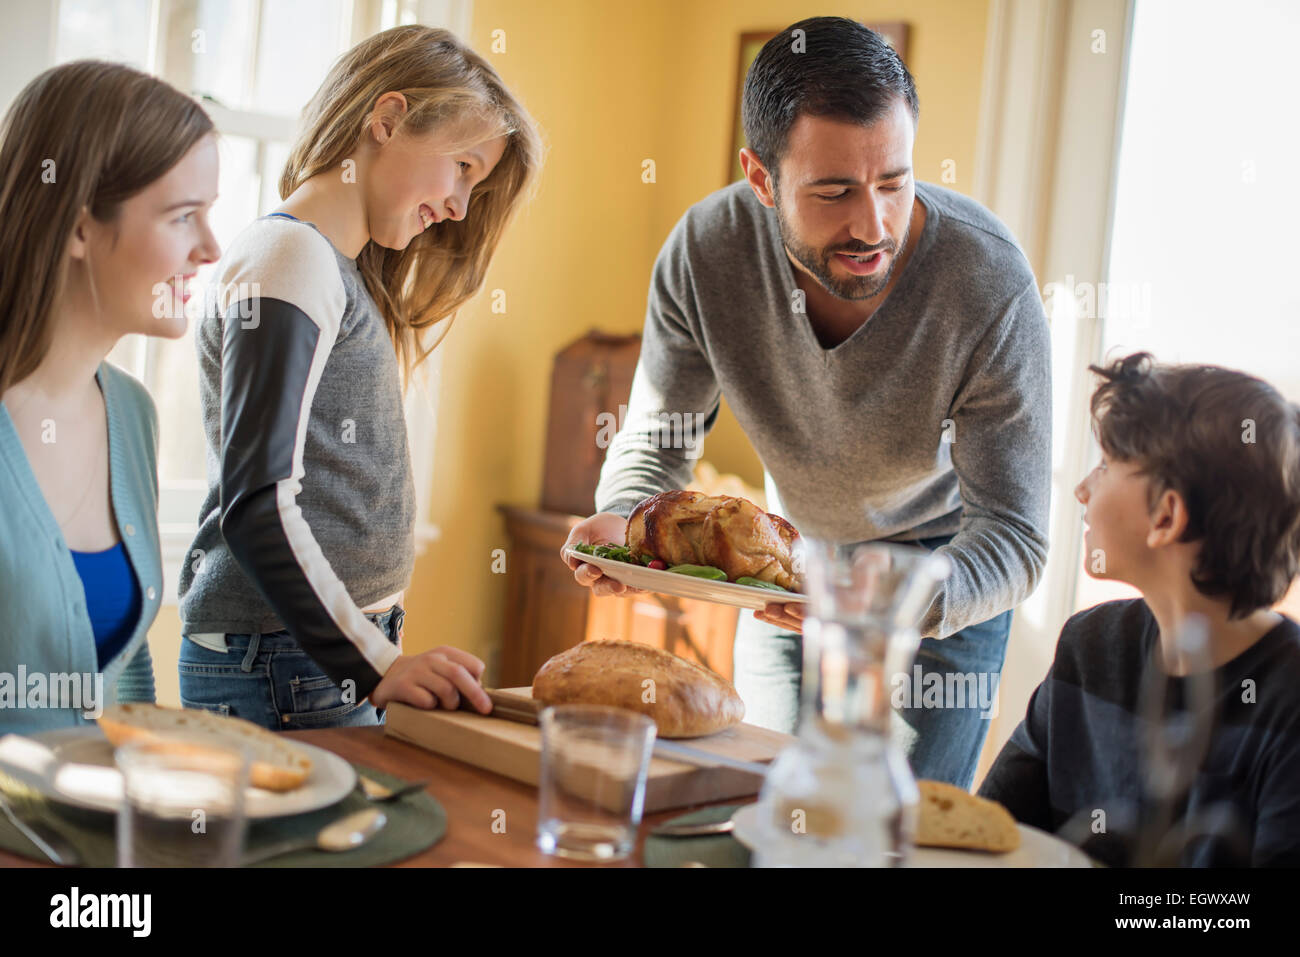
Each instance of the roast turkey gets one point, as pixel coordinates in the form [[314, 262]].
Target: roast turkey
[[734, 534]]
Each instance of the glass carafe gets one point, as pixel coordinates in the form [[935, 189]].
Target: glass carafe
[[843, 794]]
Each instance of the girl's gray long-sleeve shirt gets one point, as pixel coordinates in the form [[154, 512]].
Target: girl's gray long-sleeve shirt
[[310, 511], [932, 418]]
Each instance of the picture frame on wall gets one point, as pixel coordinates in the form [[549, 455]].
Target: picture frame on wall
[[895, 33]]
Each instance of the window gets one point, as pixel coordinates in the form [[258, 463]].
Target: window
[[254, 64], [1205, 199]]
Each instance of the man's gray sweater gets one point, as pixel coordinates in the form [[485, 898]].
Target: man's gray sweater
[[932, 418]]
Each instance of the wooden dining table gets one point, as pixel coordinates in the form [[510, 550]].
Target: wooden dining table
[[491, 819]]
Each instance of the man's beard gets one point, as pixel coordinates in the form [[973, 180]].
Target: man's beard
[[818, 261]]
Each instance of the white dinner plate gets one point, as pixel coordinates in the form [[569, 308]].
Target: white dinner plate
[[684, 586], [81, 773], [1037, 848]]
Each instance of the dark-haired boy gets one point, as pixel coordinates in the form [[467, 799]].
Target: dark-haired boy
[[1196, 502], [900, 395]]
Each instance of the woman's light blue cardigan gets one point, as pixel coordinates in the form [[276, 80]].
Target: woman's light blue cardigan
[[46, 638]]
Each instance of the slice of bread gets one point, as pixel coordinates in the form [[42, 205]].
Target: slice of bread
[[952, 817], [277, 764]]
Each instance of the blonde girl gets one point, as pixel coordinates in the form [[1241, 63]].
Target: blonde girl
[[106, 178], [413, 156]]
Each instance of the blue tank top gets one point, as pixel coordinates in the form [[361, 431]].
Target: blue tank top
[[112, 598]]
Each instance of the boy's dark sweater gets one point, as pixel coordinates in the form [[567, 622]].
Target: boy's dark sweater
[[1076, 753]]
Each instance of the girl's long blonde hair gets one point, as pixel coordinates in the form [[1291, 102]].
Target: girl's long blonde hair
[[444, 82]]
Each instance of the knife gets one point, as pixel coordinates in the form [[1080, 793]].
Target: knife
[[676, 751], [695, 830], [511, 707], [508, 707]]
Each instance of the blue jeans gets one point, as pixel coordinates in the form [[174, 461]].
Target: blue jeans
[[942, 742], [270, 681]]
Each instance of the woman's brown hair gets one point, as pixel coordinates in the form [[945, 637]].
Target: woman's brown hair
[[444, 82], [86, 135], [1229, 445]]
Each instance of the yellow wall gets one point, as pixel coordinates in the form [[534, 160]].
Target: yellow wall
[[165, 648], [612, 84]]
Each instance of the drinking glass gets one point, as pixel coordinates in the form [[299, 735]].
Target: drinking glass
[[183, 805], [593, 778]]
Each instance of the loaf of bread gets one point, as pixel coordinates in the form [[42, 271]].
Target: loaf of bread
[[952, 817], [685, 700], [277, 764]]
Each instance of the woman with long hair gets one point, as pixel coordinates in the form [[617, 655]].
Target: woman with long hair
[[411, 160], [106, 178]]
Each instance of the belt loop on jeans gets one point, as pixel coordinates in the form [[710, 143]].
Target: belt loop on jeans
[[247, 664]]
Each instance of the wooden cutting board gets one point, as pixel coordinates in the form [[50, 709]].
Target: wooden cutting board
[[514, 750]]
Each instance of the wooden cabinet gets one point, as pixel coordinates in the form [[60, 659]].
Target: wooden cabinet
[[547, 611]]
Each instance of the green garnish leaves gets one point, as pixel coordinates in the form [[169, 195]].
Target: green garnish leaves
[[700, 571], [757, 583], [618, 553]]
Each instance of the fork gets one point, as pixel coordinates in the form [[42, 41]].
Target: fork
[[50, 842]]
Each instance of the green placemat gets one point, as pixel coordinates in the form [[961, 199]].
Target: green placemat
[[713, 850], [415, 822]]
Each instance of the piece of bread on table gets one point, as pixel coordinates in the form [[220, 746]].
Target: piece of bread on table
[[953, 817], [276, 764], [688, 701]]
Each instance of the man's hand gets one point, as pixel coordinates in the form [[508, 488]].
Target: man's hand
[[434, 679], [603, 528], [787, 615]]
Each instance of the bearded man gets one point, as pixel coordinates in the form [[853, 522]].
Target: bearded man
[[882, 343]]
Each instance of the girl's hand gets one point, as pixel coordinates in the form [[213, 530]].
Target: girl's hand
[[787, 615], [434, 679]]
